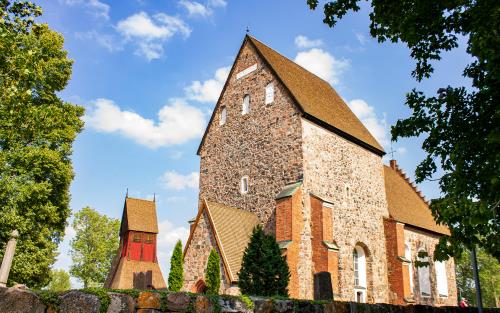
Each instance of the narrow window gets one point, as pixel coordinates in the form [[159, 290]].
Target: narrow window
[[356, 267], [244, 184], [269, 93], [246, 105], [359, 264], [223, 115], [423, 273], [441, 280], [410, 266]]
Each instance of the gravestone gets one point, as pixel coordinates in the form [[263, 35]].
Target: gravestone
[[323, 286]]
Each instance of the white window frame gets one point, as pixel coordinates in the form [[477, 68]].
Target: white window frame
[[244, 182], [269, 93], [223, 115], [359, 269], [245, 105], [410, 266], [441, 278]]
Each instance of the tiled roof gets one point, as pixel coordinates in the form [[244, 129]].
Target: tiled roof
[[317, 99], [406, 204], [139, 215], [233, 228]]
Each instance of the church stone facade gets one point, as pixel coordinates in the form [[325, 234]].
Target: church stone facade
[[282, 145]]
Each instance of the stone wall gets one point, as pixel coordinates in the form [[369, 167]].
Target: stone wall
[[422, 239], [13, 300], [351, 179], [196, 256], [264, 144]]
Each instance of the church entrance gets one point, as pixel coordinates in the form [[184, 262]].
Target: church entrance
[[200, 287]]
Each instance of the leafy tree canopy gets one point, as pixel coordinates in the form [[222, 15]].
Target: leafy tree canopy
[[460, 126], [37, 130], [59, 281], [489, 277], [213, 273], [94, 246], [264, 271], [176, 275]]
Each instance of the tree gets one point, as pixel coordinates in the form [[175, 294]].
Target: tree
[[37, 130], [94, 246], [489, 276], [264, 271], [460, 126], [176, 275], [213, 273], [59, 281]]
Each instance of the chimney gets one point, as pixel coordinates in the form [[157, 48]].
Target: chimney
[[394, 164]]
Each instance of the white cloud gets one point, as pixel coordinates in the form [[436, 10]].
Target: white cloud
[[149, 33], [168, 236], [304, 42], [322, 64], [208, 90], [177, 123], [97, 7], [217, 3], [176, 181], [377, 126], [361, 38], [105, 40], [195, 8]]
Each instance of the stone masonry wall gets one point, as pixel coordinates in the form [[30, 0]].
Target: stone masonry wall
[[264, 144], [196, 257], [331, 166], [417, 239]]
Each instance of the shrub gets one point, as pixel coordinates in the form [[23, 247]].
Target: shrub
[[176, 275], [213, 273], [264, 271]]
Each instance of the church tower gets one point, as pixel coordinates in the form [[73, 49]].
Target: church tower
[[136, 263]]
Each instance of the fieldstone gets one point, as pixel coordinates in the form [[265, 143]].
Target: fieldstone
[[202, 305], [177, 301], [283, 306], [263, 306], [79, 302], [13, 300], [121, 303], [308, 307], [148, 311], [148, 300], [232, 305]]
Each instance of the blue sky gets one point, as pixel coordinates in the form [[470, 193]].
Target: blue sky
[[149, 73]]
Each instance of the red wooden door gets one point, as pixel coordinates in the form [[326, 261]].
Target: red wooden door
[[135, 246], [148, 249]]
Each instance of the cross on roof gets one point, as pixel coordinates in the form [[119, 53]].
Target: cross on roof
[[392, 152]]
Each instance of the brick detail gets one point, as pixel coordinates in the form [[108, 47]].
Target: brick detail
[[288, 227], [398, 285]]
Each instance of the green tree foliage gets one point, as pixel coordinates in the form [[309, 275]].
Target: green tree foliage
[[264, 271], [37, 130], [59, 281], [489, 277], [94, 246], [176, 275], [212, 277], [460, 126]]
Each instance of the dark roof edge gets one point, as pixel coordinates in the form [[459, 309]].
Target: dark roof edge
[[343, 134], [424, 229]]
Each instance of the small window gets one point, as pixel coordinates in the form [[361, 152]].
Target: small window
[[246, 105], [149, 238], [269, 93], [441, 280], [223, 115], [244, 184], [137, 237], [424, 280]]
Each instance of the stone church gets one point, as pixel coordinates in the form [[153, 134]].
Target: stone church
[[282, 149]]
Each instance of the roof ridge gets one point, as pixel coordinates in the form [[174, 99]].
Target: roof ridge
[[394, 166], [140, 199]]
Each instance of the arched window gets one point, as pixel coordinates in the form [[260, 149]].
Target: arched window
[[269, 93], [410, 266], [359, 264], [424, 281], [441, 280], [246, 105], [223, 115]]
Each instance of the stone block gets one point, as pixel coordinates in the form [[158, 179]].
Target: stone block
[[79, 302], [360, 307], [121, 303], [308, 307], [177, 301], [232, 305], [148, 311], [283, 306], [202, 305], [148, 300], [263, 305], [13, 300]]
